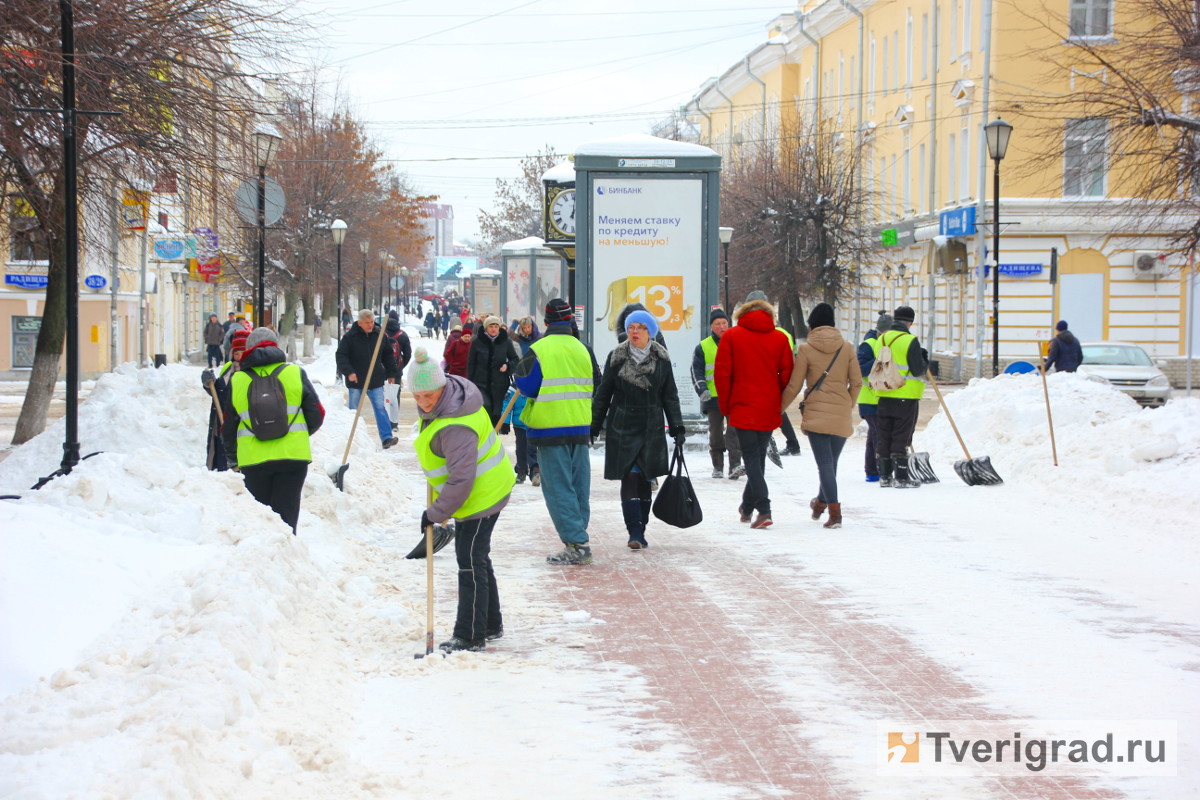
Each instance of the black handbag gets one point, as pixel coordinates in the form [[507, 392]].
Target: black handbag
[[676, 503]]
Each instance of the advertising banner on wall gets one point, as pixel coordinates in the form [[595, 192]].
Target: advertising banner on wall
[[518, 280], [551, 283], [647, 245]]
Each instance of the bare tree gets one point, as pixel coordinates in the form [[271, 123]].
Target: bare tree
[[176, 74], [519, 203], [1143, 85], [797, 209]]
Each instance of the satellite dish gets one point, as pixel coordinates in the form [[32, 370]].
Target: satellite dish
[[246, 202]]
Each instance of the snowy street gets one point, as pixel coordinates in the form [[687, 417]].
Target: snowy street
[[164, 636]]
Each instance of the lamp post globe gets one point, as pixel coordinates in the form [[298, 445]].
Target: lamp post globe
[[364, 247], [997, 133], [338, 231], [726, 236]]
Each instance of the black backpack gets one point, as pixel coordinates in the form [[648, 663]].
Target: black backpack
[[267, 409]]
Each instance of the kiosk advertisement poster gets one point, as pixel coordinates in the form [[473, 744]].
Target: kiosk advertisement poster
[[487, 298], [516, 288], [648, 247], [550, 284]]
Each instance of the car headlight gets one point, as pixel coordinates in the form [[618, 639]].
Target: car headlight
[[1158, 380], [1097, 378]]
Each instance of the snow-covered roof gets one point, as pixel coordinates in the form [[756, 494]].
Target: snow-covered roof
[[528, 243], [484, 272], [560, 173], [642, 144]]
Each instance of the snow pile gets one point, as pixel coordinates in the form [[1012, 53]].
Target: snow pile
[[1107, 444]]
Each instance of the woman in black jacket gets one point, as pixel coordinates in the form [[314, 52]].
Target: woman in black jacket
[[490, 364], [637, 391]]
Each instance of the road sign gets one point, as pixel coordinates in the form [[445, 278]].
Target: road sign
[[246, 202]]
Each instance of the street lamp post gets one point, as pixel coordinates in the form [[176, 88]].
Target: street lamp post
[[903, 286], [404, 276], [364, 247], [338, 230], [726, 236], [383, 257], [266, 146], [997, 132], [887, 282]]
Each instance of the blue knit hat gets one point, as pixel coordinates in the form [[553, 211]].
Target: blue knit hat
[[645, 318]]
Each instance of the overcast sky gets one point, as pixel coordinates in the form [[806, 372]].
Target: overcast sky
[[457, 91]]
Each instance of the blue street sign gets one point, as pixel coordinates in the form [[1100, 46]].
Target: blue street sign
[[1020, 269], [22, 281], [95, 282], [958, 222]]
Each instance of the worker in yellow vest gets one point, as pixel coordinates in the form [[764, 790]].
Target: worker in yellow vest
[[898, 408], [868, 401], [721, 435], [471, 478]]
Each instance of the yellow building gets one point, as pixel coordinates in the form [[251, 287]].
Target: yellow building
[[915, 82]]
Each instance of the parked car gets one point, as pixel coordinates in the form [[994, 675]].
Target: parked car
[[1126, 367]]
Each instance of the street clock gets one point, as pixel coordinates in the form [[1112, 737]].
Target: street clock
[[559, 213]]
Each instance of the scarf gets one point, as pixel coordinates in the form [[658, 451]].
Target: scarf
[[636, 366]]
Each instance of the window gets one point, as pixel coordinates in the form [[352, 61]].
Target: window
[[906, 177], [966, 27], [882, 187], [921, 178], [953, 28], [896, 61], [908, 50], [1091, 18], [1084, 154], [964, 177], [26, 240], [871, 72], [924, 47], [883, 84], [952, 166]]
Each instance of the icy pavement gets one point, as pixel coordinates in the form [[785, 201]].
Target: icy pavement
[[163, 636]]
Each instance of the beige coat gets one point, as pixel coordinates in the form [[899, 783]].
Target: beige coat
[[829, 408]]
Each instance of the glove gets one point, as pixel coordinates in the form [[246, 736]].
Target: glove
[[705, 396], [504, 429], [207, 378], [679, 438], [425, 523], [924, 354]]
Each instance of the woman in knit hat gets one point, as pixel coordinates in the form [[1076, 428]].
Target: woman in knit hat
[[635, 395], [471, 479], [219, 383], [828, 366], [491, 360]]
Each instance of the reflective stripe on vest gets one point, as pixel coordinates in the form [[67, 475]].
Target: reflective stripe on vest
[[913, 388], [709, 346], [565, 397], [494, 476], [866, 395], [294, 445], [791, 340]]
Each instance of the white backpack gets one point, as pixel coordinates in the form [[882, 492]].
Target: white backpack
[[884, 376]]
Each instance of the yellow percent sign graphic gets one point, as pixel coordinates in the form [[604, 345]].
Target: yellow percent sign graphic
[[662, 295]]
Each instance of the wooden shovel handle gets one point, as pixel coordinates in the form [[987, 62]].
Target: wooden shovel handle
[[507, 409], [217, 404], [949, 416]]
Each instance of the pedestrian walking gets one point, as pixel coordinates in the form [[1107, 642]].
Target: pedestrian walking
[[456, 351], [629, 308], [557, 374], [397, 340], [274, 469], [721, 436], [491, 360], [868, 401], [1066, 354], [239, 324], [525, 451], [636, 394], [218, 384], [754, 362], [826, 367], [354, 353], [445, 322], [430, 325], [229, 321], [469, 472], [791, 444], [898, 408], [214, 336]]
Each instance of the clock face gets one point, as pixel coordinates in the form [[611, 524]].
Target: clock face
[[562, 212]]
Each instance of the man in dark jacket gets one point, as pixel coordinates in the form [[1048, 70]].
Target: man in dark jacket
[[397, 339], [721, 436], [898, 408], [274, 469], [214, 335], [353, 360], [1066, 354], [491, 360]]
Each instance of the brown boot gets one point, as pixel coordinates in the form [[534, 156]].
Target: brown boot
[[835, 516], [818, 508]]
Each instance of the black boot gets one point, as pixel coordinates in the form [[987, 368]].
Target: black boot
[[632, 511], [903, 480], [885, 472]]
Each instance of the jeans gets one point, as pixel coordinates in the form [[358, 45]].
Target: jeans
[[278, 484], [567, 487], [755, 496], [721, 437], [789, 433], [381, 416], [871, 459], [478, 598], [215, 355], [826, 448], [527, 452]]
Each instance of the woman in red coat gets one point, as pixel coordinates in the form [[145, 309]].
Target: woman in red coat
[[458, 346], [754, 362]]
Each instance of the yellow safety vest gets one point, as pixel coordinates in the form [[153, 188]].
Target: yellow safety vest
[[709, 346], [294, 445], [913, 388], [565, 397], [494, 476]]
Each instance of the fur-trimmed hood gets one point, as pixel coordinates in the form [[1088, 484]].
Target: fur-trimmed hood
[[755, 305]]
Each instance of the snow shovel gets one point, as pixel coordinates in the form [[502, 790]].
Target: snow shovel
[[773, 453], [339, 478], [217, 404], [973, 471], [1049, 416], [429, 551], [920, 468]]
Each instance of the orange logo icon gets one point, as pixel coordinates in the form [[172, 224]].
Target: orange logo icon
[[903, 748]]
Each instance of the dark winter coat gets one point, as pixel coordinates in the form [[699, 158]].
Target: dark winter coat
[[397, 339], [354, 357], [1066, 354], [455, 354], [523, 342], [632, 414], [754, 363], [866, 360], [214, 333], [430, 321], [485, 359]]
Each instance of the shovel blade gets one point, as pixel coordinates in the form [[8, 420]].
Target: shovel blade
[[920, 468], [978, 472], [773, 453], [339, 477], [442, 536]]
